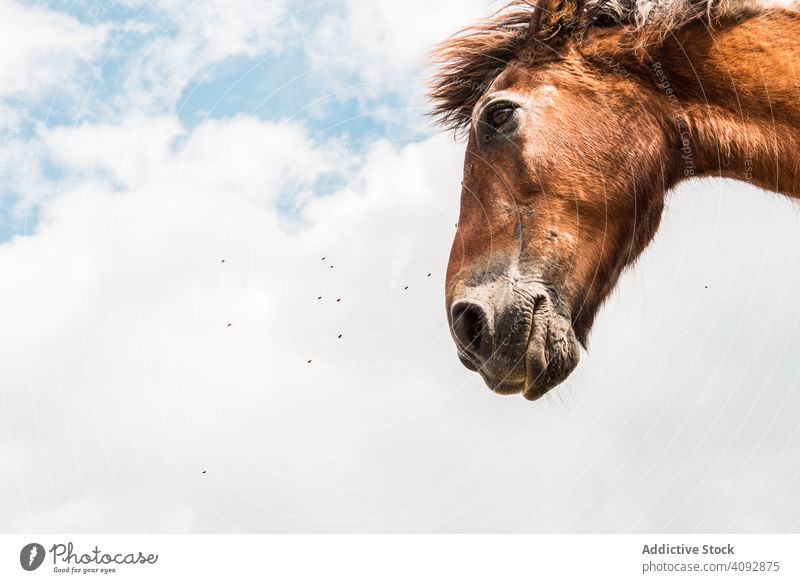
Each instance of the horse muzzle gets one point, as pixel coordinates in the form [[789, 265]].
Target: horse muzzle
[[514, 337]]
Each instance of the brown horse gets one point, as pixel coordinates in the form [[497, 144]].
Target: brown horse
[[581, 115]]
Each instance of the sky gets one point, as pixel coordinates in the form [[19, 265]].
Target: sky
[[217, 225]]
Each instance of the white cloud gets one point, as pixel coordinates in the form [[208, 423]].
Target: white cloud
[[259, 161], [369, 51], [195, 37], [147, 258], [127, 153], [382, 40], [44, 50]]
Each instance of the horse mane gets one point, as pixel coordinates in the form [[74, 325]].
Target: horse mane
[[469, 62]]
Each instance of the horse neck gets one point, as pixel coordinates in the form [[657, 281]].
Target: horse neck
[[732, 100]]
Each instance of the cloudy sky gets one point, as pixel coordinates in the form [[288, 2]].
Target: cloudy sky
[[143, 143]]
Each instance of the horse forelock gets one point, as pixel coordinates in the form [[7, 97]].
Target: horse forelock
[[468, 63]]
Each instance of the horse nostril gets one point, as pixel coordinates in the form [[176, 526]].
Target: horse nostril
[[471, 327]]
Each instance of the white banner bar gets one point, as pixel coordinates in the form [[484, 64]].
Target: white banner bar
[[400, 558]]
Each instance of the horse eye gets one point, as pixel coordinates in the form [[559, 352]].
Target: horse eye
[[500, 116]]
